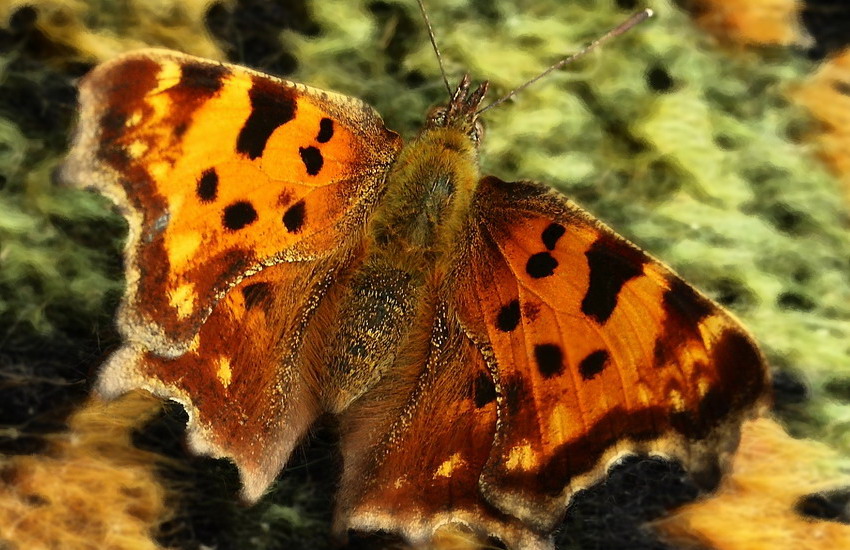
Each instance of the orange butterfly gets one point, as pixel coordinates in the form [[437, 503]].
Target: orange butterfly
[[489, 347]]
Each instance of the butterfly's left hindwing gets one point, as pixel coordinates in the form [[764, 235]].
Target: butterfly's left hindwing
[[249, 394]]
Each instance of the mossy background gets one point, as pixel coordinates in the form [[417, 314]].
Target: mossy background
[[686, 144]]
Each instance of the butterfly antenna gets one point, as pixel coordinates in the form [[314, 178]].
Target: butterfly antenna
[[623, 27], [434, 43]]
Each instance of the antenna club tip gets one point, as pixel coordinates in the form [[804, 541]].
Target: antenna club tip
[[649, 12]]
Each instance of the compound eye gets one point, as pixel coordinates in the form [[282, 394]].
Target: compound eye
[[437, 116]]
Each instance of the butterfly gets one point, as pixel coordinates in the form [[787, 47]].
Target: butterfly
[[488, 347]]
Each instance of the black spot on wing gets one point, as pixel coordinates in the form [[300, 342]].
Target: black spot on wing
[[740, 368], [551, 235], [239, 215], [684, 308], [272, 105], [113, 121], [312, 159], [509, 317], [684, 303], [255, 293], [611, 265], [541, 265], [326, 130], [485, 390], [293, 218], [207, 78], [549, 359], [593, 364], [515, 395], [663, 352], [207, 188]]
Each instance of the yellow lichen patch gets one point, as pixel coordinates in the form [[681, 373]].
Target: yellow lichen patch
[[521, 457], [101, 34], [183, 299], [754, 507], [775, 22], [827, 96], [223, 371], [446, 468], [91, 488]]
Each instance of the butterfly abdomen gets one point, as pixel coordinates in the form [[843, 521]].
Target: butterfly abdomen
[[409, 246], [377, 310]]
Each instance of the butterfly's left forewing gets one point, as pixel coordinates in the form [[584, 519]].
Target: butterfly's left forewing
[[598, 350], [220, 171]]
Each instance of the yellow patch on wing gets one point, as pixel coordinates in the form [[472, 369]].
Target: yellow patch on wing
[[184, 245], [224, 374], [560, 423], [675, 398], [183, 299], [703, 385], [137, 149], [446, 468], [134, 119], [521, 457]]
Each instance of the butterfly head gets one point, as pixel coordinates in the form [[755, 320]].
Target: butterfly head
[[462, 111]]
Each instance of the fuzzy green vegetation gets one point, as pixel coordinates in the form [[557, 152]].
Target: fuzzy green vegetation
[[685, 148]]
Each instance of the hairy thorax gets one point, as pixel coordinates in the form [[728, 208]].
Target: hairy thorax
[[408, 247]]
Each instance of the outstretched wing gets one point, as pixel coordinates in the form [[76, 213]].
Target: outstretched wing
[[220, 172], [553, 349], [249, 393], [415, 445], [245, 196], [598, 349]]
